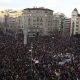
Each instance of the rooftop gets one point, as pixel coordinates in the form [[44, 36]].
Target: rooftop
[[40, 8], [75, 9]]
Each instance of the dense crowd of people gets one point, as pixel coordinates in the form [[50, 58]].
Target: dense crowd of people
[[43, 58]]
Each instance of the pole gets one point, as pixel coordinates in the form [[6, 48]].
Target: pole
[[24, 30], [25, 37], [31, 54], [31, 59]]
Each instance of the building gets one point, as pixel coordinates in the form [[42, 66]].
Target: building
[[2, 19], [75, 23], [66, 27], [37, 20], [58, 23], [12, 21]]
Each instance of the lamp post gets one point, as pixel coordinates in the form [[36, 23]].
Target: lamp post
[[25, 25], [31, 51], [31, 54], [25, 37], [24, 29]]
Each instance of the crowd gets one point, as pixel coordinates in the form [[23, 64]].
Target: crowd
[[43, 58]]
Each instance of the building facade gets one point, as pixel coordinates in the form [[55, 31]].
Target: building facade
[[66, 27], [40, 21], [2, 19], [58, 23], [75, 23], [11, 19], [37, 20]]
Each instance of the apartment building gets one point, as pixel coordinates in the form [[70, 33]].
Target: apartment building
[[38, 20], [75, 23], [58, 23], [66, 27]]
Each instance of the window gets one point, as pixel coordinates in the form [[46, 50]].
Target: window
[[77, 29], [28, 30], [29, 10], [76, 32], [45, 11], [41, 20], [77, 22], [34, 24], [37, 18], [45, 15], [29, 14], [37, 11], [77, 18], [77, 25], [22, 27], [29, 19], [34, 20], [41, 24]]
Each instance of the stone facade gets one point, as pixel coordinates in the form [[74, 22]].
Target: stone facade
[[38, 20], [58, 23], [66, 27], [75, 23]]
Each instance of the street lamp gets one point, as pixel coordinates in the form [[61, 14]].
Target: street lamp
[[31, 50]]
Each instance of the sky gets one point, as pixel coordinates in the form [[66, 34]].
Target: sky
[[63, 6]]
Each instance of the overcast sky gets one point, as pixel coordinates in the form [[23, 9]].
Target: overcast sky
[[64, 6]]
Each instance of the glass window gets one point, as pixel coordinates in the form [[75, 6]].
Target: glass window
[[41, 20], [77, 29], [77, 25], [76, 32], [29, 10], [37, 18]]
